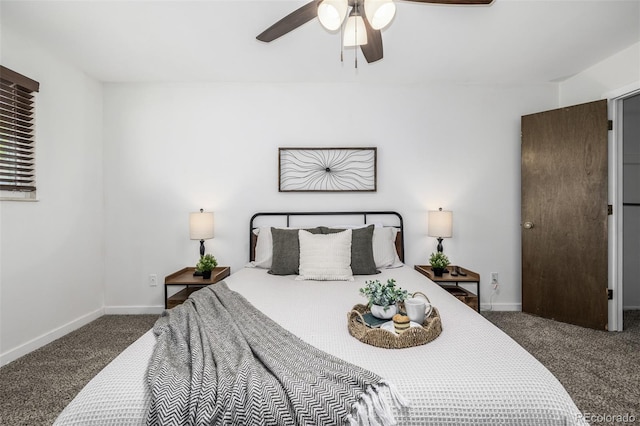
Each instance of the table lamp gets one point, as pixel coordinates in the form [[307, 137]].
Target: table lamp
[[201, 227], [440, 225]]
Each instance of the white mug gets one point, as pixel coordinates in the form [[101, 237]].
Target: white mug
[[417, 309]]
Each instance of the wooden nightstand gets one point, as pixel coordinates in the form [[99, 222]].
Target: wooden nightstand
[[451, 283], [184, 277]]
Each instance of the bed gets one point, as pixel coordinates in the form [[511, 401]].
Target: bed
[[472, 373]]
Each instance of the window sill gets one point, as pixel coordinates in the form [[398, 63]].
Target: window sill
[[7, 196]]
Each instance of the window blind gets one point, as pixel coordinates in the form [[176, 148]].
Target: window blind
[[17, 141]]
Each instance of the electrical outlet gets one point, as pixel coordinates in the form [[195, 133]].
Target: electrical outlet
[[153, 280], [494, 280]]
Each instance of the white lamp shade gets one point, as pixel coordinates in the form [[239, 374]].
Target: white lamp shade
[[201, 225], [331, 13], [440, 224], [355, 33], [379, 12]]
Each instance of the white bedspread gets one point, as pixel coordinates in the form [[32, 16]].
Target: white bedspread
[[472, 373]]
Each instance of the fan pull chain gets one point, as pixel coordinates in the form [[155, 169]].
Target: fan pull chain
[[342, 41], [355, 32]]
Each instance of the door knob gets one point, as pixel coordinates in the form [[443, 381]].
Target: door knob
[[528, 225]]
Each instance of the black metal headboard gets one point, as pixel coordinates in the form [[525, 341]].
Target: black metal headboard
[[387, 218]]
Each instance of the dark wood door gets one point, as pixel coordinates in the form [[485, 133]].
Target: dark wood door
[[564, 214]]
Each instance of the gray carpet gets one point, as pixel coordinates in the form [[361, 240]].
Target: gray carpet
[[600, 370], [34, 389]]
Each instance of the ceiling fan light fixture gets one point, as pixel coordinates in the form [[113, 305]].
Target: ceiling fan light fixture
[[355, 32], [331, 13], [379, 12]]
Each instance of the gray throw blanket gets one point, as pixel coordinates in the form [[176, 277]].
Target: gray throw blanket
[[220, 361]]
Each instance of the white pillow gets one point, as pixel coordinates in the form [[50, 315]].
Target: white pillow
[[385, 254], [325, 257], [264, 248]]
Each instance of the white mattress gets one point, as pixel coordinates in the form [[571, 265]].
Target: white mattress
[[472, 373]]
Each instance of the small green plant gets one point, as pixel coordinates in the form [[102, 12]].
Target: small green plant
[[383, 294], [439, 260], [206, 263]]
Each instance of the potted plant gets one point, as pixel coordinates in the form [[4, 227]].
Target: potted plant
[[205, 265], [383, 298], [438, 261]]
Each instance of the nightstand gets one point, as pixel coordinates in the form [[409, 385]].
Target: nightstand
[[184, 277], [451, 283]]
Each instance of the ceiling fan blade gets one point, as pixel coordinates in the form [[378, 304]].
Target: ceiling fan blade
[[290, 22], [463, 2], [372, 51]]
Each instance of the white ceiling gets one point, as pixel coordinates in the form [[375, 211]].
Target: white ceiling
[[511, 41]]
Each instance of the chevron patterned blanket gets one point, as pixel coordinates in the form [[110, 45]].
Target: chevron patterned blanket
[[220, 361]]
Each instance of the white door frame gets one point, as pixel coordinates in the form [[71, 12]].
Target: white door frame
[[616, 222]]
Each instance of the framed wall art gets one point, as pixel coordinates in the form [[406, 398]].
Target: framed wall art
[[327, 169]]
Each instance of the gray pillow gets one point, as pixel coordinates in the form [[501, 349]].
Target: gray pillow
[[362, 261], [286, 250]]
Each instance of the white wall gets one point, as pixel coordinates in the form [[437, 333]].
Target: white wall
[[614, 73], [51, 264], [173, 148]]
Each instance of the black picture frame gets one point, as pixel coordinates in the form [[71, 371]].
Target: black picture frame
[[327, 169]]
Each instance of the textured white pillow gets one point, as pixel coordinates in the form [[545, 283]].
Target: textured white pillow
[[264, 248], [325, 257], [385, 254]]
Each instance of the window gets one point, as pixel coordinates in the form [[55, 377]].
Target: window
[[17, 142]]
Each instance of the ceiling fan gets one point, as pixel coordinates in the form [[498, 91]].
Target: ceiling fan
[[359, 20]]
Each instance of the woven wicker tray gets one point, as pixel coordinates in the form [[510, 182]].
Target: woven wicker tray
[[414, 336]]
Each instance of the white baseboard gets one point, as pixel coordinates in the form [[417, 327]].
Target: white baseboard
[[505, 307], [38, 342], [631, 308], [133, 310]]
